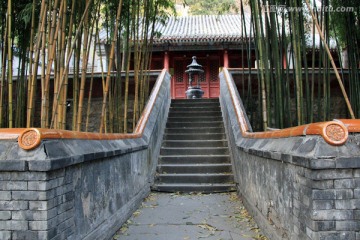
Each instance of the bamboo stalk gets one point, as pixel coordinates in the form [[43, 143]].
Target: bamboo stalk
[[297, 68], [126, 94], [10, 79], [92, 70], [118, 14], [83, 71], [40, 38], [278, 75], [136, 10], [62, 104], [3, 74], [53, 34], [43, 57], [56, 98], [144, 52], [90, 92], [332, 61], [313, 76], [32, 32], [75, 81], [103, 82], [119, 82], [128, 59], [257, 21]]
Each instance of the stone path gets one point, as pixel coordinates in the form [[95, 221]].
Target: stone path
[[188, 217]]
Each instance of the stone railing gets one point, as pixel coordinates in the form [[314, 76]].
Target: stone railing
[[70, 185], [298, 183]]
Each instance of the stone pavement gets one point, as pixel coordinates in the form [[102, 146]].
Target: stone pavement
[[165, 216]]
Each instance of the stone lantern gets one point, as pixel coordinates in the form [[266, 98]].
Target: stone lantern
[[194, 69]]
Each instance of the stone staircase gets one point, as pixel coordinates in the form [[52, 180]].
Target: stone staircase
[[194, 155]]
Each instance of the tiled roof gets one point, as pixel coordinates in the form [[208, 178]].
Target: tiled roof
[[208, 30], [205, 28]]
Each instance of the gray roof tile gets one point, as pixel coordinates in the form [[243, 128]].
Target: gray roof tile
[[202, 28]]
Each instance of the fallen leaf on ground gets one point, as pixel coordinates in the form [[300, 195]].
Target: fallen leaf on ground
[[136, 213], [123, 229], [260, 237], [207, 227]]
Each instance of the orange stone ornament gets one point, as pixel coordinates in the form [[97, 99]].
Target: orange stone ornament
[[29, 139]]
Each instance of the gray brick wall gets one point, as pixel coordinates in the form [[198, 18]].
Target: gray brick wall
[[78, 189], [299, 187], [31, 204]]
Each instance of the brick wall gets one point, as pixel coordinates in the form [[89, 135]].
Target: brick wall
[[33, 204], [298, 187], [78, 189]]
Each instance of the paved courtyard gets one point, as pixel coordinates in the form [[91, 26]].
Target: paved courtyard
[[190, 216]]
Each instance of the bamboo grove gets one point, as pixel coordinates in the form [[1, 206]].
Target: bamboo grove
[[56, 42], [297, 89]]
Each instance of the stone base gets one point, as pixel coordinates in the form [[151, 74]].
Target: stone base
[[194, 93]]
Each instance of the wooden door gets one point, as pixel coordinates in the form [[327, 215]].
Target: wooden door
[[209, 80], [179, 80], [213, 77]]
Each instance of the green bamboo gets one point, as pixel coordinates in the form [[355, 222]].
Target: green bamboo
[[289, 115], [96, 35], [3, 75], [10, 57], [333, 64], [83, 70], [305, 72], [118, 15], [277, 67], [297, 63], [312, 74], [263, 62]]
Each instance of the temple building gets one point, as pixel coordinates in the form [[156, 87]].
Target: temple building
[[216, 41]]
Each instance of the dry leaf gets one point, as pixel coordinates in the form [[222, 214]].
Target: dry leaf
[[123, 229], [207, 227], [136, 213]]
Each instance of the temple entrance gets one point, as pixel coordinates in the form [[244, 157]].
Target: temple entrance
[[209, 80]]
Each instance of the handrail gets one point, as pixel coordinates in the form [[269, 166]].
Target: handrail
[[334, 132], [30, 138]]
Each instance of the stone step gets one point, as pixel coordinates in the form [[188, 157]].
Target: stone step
[[194, 151], [191, 101], [195, 136], [195, 119], [194, 159], [194, 168], [194, 124], [194, 156], [195, 114], [195, 178], [195, 104], [195, 109], [195, 130], [195, 143], [203, 188]]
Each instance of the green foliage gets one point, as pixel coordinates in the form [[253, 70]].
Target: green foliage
[[214, 7], [342, 20], [25, 13]]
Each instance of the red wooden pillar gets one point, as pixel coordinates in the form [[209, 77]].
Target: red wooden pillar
[[166, 60], [226, 59]]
